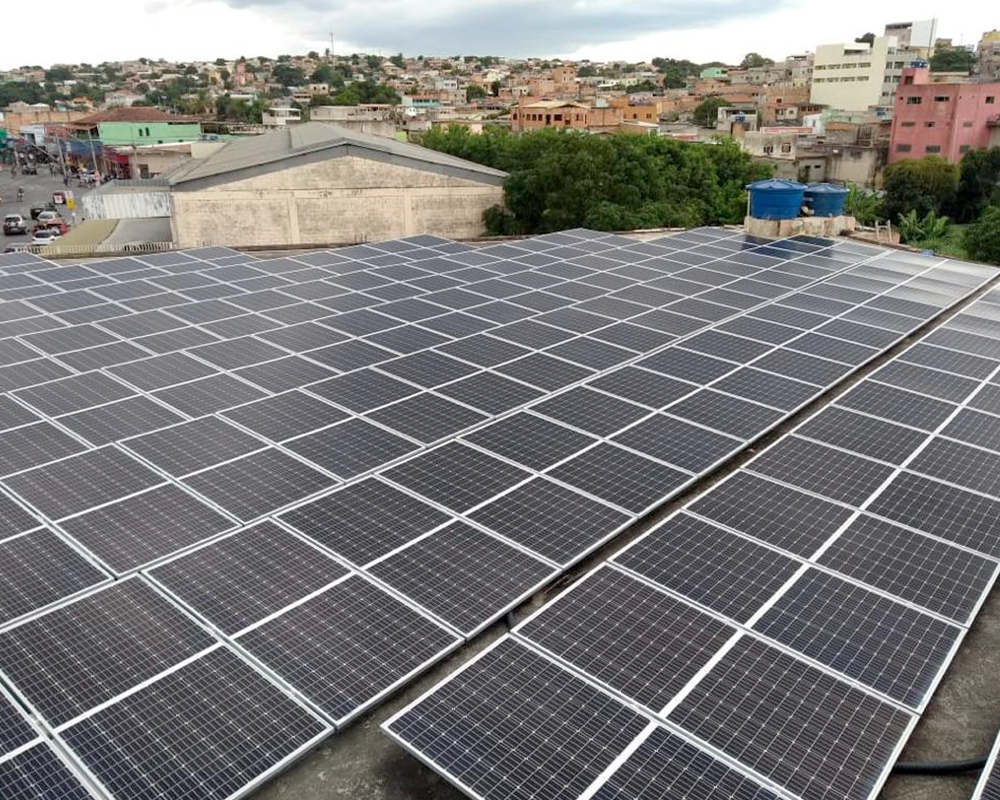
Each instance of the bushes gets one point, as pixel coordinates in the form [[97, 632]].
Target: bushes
[[922, 185], [565, 179], [982, 238]]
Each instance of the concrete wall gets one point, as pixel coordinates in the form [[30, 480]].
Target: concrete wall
[[126, 204], [345, 199]]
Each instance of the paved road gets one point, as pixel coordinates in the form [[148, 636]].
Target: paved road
[[37, 189]]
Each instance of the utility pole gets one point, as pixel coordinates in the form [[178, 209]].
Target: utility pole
[[333, 57]]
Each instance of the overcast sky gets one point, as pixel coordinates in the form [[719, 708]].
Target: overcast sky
[[700, 30]]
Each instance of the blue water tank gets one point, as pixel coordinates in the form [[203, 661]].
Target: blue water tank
[[826, 199], [775, 199]]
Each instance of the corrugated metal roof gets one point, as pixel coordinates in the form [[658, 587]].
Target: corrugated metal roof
[[311, 137]]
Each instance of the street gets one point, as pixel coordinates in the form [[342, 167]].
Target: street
[[37, 189]]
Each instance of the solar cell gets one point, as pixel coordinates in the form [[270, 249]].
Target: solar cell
[[286, 415], [862, 434], [678, 442], [513, 724], [490, 392], [208, 395], [917, 568], [427, 417], [192, 446], [722, 412]]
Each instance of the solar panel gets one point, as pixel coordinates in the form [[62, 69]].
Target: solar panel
[[210, 729], [513, 724]]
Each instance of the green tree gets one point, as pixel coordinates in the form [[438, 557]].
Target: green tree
[[952, 59], [707, 111], [373, 62], [220, 62], [560, 179], [287, 76], [313, 55], [921, 185], [978, 184], [675, 72], [474, 91], [58, 74], [495, 88], [982, 238], [398, 60], [751, 60]]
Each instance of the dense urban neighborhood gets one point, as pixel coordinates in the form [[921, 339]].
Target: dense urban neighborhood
[[907, 120]]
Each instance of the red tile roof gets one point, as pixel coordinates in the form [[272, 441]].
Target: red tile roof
[[133, 114]]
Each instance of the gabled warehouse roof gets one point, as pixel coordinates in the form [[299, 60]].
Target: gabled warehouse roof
[[312, 138]]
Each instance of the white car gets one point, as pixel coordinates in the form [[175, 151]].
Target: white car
[[44, 236], [48, 216]]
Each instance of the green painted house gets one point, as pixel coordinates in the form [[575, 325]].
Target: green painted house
[[137, 126]]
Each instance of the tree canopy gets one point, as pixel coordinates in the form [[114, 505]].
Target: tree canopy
[[563, 179], [978, 183], [922, 185], [982, 239], [952, 59], [675, 72], [287, 76], [751, 60], [706, 113]]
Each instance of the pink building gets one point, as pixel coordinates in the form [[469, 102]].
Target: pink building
[[943, 119]]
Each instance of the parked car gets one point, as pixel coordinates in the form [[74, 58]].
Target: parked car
[[48, 216], [14, 225], [44, 236], [36, 210], [54, 225]]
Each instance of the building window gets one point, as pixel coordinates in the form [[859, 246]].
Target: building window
[[964, 148], [903, 148], [967, 124], [908, 124], [942, 98], [932, 148], [557, 117], [990, 100], [929, 124], [914, 101], [908, 80], [786, 148], [768, 149]]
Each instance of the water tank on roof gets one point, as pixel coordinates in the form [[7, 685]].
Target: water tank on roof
[[826, 199], [775, 199]]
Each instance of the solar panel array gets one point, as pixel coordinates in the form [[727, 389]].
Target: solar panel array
[[242, 500], [780, 634]]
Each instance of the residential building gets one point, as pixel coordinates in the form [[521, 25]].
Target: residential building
[[534, 114], [945, 119], [988, 60], [640, 108], [17, 115], [280, 116], [375, 119], [786, 104], [920, 37], [857, 76], [736, 120], [319, 184], [714, 73], [137, 125]]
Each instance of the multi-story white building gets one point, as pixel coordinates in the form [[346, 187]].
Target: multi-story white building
[[856, 76]]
